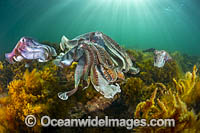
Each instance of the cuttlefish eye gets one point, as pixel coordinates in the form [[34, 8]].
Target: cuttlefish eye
[[23, 39]]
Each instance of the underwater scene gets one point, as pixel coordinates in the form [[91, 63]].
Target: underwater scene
[[100, 66]]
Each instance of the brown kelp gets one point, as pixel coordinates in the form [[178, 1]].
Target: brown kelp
[[28, 95], [189, 87], [171, 104]]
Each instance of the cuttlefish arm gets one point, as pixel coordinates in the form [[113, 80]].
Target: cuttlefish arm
[[10, 57], [106, 66], [102, 85], [103, 56], [78, 75], [64, 44], [119, 54], [74, 54], [66, 59], [89, 59], [68, 44]]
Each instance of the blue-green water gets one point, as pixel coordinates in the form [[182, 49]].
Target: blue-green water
[[139, 24]]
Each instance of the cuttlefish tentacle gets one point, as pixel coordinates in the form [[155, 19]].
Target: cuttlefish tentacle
[[89, 61], [103, 86], [10, 57], [115, 49], [78, 75], [94, 77], [100, 83], [127, 62], [116, 54], [106, 70], [109, 74], [104, 57], [113, 44], [93, 73], [101, 59], [66, 43]]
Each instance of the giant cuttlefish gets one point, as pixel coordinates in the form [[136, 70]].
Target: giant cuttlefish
[[118, 55], [100, 60], [160, 57], [29, 49]]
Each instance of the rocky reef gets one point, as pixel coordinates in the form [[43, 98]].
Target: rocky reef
[[168, 92]]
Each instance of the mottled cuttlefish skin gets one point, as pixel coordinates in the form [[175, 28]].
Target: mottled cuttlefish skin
[[100, 59], [160, 57], [118, 55], [94, 65], [29, 49]]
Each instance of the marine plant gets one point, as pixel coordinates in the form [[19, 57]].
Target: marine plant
[[185, 61], [189, 87], [31, 94], [131, 90], [171, 104], [1, 66]]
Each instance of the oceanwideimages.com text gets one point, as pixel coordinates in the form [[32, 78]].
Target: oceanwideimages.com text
[[46, 121]]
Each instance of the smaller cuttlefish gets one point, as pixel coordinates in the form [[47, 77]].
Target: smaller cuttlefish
[[28, 49], [161, 57]]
